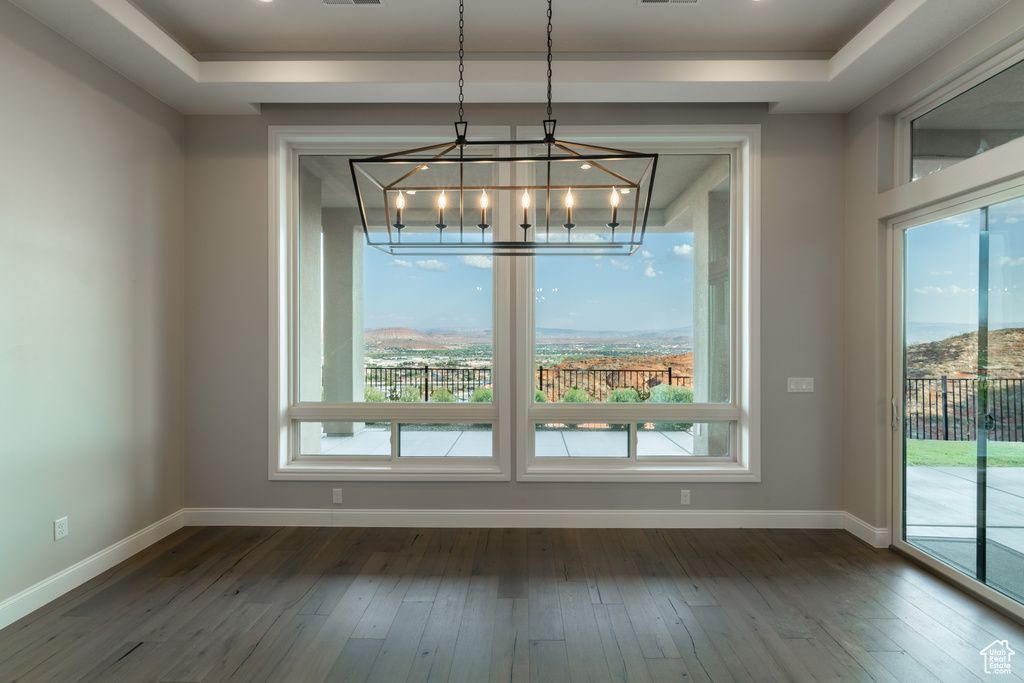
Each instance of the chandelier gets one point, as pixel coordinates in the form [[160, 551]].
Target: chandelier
[[515, 197]]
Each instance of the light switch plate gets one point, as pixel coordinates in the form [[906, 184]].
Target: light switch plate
[[801, 385]]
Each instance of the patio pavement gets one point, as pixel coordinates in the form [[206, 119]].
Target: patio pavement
[[941, 502], [549, 444]]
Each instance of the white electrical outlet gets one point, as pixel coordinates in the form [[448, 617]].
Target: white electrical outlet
[[60, 528], [684, 497], [337, 496]]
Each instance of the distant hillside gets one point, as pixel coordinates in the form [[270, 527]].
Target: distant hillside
[[919, 333], [549, 334], [408, 338], [958, 356]]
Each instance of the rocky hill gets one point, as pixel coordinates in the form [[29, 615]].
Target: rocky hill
[[682, 364], [958, 356]]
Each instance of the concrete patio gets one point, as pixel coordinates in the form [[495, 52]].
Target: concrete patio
[[549, 443], [942, 502]]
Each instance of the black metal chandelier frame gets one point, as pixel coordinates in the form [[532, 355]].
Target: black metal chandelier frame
[[617, 183]]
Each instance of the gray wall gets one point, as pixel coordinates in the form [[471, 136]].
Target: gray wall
[[227, 319], [91, 304]]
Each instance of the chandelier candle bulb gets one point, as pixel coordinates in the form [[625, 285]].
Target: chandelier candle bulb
[[615, 208], [400, 204], [568, 210], [442, 201], [526, 206], [483, 210]]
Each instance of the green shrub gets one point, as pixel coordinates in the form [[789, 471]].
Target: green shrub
[[442, 395], [372, 395], [482, 395], [624, 396], [539, 396], [576, 395], [665, 393], [410, 395]]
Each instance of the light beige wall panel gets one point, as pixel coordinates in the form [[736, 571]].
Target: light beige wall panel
[[227, 318], [91, 305]]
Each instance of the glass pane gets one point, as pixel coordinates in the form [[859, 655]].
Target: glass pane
[[445, 440], [941, 332], [345, 438], [561, 440], [674, 439], [375, 327], [984, 117], [1004, 491], [628, 329]]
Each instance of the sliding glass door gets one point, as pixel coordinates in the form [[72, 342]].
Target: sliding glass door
[[963, 392]]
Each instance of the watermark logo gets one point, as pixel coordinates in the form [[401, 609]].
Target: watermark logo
[[997, 657]]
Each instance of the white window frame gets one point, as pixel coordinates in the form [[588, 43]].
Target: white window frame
[[286, 145], [903, 159], [743, 144], [941, 208], [982, 180]]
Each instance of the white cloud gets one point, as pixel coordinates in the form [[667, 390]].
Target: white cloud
[[953, 289], [618, 264], [1012, 219], [650, 272], [1012, 262], [646, 254], [682, 249], [432, 264], [479, 289], [476, 261], [400, 263]]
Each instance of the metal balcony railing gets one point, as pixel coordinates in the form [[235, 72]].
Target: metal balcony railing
[[421, 383], [946, 408]]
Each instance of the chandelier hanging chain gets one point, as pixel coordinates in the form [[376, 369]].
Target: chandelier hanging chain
[[549, 58], [462, 55]]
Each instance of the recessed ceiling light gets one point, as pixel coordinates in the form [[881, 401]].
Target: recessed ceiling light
[[624, 190], [585, 167], [266, 0]]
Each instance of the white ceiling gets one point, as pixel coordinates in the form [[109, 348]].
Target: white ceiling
[[404, 26], [230, 56]]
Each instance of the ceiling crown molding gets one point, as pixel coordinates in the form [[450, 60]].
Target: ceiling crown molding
[[899, 38]]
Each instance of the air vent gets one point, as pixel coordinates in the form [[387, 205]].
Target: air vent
[[667, 2], [354, 2]]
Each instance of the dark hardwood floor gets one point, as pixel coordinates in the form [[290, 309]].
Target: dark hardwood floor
[[336, 604]]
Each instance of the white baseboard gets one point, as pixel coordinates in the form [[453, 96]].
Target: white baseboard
[[34, 597], [591, 519], [873, 536], [258, 517]]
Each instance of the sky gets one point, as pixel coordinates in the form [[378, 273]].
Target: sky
[[942, 268], [650, 290]]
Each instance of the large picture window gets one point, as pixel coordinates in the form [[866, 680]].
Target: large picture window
[[642, 365], [425, 367]]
